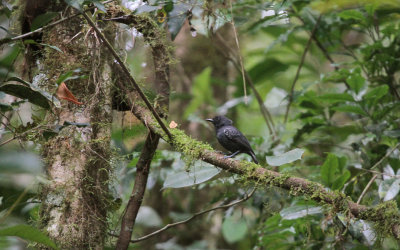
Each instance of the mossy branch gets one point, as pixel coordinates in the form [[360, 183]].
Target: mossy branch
[[127, 73], [386, 216]]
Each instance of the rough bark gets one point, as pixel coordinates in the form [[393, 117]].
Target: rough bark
[[135, 201], [161, 70], [75, 199]]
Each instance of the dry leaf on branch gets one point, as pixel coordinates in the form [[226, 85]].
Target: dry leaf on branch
[[64, 93]]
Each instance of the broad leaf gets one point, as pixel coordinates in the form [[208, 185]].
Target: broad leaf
[[28, 233], [4, 107], [288, 157], [376, 93], [27, 91], [177, 17], [234, 230], [356, 82], [201, 92], [329, 169], [352, 14], [351, 109], [148, 217], [341, 180], [388, 189], [295, 212], [199, 173], [20, 162], [42, 20], [336, 97], [77, 4]]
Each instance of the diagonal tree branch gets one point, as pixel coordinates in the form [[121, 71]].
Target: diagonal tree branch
[[135, 200], [303, 57], [41, 29], [128, 74], [386, 214], [161, 71]]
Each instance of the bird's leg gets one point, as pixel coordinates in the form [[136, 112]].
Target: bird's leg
[[232, 155]]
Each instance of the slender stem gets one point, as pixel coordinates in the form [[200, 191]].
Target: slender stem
[[22, 36], [128, 74], [239, 54], [7, 141], [190, 218], [264, 111], [366, 188], [303, 57]]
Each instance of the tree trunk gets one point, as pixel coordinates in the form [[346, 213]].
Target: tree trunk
[[76, 197]]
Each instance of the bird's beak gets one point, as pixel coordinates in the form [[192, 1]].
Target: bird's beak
[[210, 120]]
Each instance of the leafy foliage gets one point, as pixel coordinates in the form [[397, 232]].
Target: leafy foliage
[[343, 127]]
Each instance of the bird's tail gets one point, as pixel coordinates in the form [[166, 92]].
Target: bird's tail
[[253, 156]]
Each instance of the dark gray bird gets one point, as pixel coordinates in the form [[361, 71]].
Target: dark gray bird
[[231, 138]]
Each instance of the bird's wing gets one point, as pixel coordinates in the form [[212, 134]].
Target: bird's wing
[[237, 137]]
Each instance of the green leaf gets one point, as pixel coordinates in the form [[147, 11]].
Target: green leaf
[[4, 107], [352, 14], [99, 5], [350, 109], [376, 93], [28, 233], [177, 17], [8, 58], [356, 82], [17, 79], [29, 41], [148, 217], [336, 97], [388, 189], [20, 162], [234, 230], [329, 169], [27, 91], [200, 173], [295, 212], [69, 75], [201, 92], [341, 180], [42, 20], [392, 133], [77, 4], [52, 47], [288, 157]]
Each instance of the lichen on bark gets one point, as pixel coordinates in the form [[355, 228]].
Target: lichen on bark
[[76, 198]]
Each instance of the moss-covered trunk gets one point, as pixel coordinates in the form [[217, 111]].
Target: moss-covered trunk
[[75, 200]]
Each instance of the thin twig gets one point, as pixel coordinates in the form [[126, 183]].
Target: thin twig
[[7, 141], [325, 52], [9, 211], [376, 164], [16, 38], [386, 156], [264, 111], [190, 218], [303, 57], [239, 54], [128, 74], [366, 188]]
